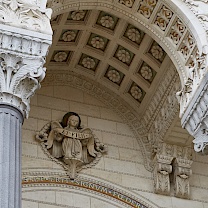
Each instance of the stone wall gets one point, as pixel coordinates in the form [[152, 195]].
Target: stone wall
[[121, 168]]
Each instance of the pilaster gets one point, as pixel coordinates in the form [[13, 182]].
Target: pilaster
[[10, 157]]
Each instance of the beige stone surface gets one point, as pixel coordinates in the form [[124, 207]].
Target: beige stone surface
[[123, 165]]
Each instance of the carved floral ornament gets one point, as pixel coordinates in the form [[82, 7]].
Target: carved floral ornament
[[19, 79], [114, 75], [134, 34], [70, 145], [31, 15], [78, 15], [98, 42], [69, 36], [107, 21]]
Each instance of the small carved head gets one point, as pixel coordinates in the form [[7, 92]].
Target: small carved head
[[71, 119]]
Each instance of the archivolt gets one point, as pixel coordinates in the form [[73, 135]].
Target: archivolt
[[179, 11]]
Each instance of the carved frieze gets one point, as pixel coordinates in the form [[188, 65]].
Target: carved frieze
[[70, 145]]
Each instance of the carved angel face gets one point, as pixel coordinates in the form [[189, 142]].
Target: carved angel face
[[73, 121]]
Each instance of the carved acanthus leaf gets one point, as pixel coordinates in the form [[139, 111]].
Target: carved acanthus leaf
[[20, 78], [31, 15]]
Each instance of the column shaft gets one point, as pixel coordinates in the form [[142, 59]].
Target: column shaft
[[10, 157]]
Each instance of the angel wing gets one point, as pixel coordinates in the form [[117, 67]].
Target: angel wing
[[91, 142], [52, 135]]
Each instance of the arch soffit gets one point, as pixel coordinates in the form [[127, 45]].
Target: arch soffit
[[177, 19]]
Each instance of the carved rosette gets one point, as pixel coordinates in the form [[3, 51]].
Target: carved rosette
[[182, 173], [23, 47]]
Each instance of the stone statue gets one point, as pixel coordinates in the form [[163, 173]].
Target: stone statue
[[70, 144]]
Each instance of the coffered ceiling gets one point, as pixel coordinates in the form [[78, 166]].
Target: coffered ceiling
[[110, 51], [115, 54]]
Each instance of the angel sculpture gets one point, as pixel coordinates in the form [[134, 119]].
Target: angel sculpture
[[70, 144]]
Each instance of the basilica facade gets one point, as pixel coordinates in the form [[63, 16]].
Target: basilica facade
[[103, 103]]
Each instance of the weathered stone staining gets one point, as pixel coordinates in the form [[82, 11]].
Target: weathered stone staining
[[70, 145]]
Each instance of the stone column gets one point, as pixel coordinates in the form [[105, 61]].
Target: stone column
[[25, 35], [10, 156]]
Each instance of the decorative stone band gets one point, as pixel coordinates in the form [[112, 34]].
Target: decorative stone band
[[24, 42], [195, 118], [116, 194]]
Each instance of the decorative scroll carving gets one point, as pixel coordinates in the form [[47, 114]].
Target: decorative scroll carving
[[31, 15], [200, 8], [181, 167], [162, 170], [70, 145], [128, 3], [182, 173]]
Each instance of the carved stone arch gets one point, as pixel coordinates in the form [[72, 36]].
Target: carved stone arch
[[179, 11], [87, 186]]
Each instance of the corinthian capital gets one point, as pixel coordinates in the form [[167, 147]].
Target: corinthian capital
[[19, 79], [25, 36], [31, 14]]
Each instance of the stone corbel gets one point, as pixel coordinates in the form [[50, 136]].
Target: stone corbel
[[182, 173], [162, 169]]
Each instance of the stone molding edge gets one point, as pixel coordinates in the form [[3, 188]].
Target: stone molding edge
[[195, 118], [89, 184]]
